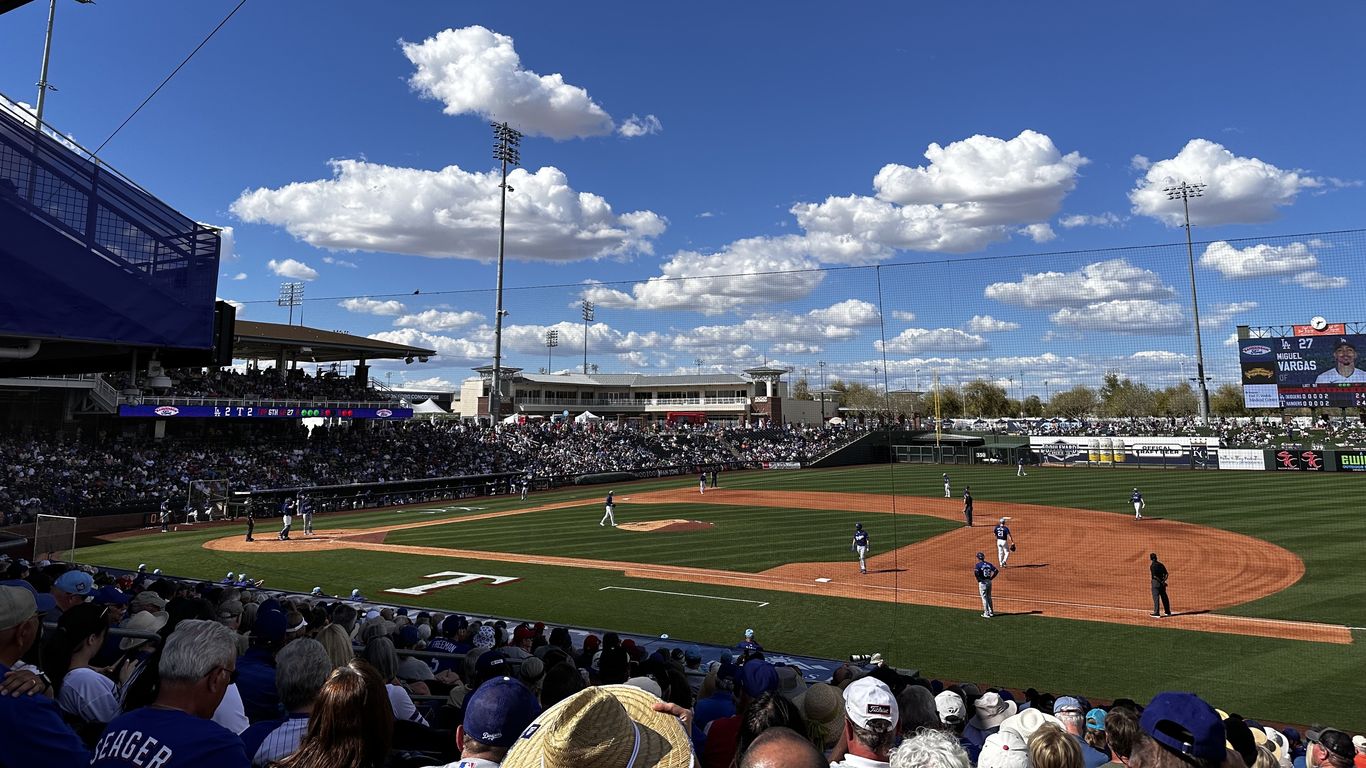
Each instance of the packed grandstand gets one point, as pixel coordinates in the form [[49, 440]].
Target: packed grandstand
[[109, 664]]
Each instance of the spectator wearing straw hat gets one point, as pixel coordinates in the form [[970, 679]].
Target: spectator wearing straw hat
[[603, 727]]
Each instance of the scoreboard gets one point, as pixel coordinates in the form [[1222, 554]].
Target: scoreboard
[[259, 412], [1313, 368]]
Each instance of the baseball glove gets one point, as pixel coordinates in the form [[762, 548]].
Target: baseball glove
[[1012, 547]]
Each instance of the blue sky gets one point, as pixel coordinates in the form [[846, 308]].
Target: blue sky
[[995, 148]]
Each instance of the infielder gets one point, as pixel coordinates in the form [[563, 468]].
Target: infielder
[[306, 509], [1139, 504], [702, 483], [860, 545], [607, 516], [967, 504], [1005, 542], [984, 572], [1020, 471], [948, 494], [525, 483]]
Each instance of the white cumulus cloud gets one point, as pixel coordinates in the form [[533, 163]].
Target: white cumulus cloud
[[1219, 314], [1238, 190], [373, 306], [1317, 281], [429, 384], [240, 276], [989, 324], [296, 270], [477, 71], [903, 315], [850, 312], [1039, 232], [972, 193], [454, 351], [634, 126], [1106, 219], [450, 213], [914, 341], [438, 320], [1100, 281], [1257, 260], [340, 262], [1136, 316]]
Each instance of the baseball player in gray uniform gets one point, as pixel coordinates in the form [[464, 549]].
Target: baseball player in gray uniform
[[948, 493], [984, 572], [860, 545]]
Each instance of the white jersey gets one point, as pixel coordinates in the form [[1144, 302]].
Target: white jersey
[[1332, 376]]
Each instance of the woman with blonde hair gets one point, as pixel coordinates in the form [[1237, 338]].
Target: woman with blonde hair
[[352, 724], [338, 645], [1052, 747]]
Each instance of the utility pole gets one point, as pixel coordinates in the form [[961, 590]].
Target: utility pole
[[552, 340], [587, 307], [506, 141], [43, 85], [1185, 192]]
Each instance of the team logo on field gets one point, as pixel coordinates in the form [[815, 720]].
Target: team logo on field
[[166, 410]]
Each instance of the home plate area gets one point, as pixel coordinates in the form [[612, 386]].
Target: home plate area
[[666, 526]]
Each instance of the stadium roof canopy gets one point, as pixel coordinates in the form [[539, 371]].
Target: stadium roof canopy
[[266, 341], [633, 379]]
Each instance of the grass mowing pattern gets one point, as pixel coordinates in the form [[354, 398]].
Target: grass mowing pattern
[[742, 539]]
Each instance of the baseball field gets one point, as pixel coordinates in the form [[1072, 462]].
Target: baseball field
[[1265, 579]]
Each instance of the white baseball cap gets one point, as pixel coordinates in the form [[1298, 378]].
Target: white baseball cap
[[868, 699], [1004, 749], [951, 708]]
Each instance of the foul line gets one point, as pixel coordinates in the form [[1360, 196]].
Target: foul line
[[685, 594]]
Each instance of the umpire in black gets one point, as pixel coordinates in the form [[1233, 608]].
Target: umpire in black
[[1159, 584]]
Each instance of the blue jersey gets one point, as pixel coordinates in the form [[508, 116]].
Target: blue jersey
[[1002, 531], [860, 538], [984, 571], [33, 733], [167, 738], [609, 500], [1136, 498]]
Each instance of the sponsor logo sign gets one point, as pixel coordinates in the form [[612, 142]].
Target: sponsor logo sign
[[1257, 350], [1294, 459], [1352, 461], [166, 410], [782, 465], [1242, 458], [1331, 329], [384, 413], [257, 412]]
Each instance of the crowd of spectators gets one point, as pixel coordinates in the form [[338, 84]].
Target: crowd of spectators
[[255, 384], [69, 477], [143, 670], [1239, 432], [796, 442]]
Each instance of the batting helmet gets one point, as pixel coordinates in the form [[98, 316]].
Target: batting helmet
[[981, 556], [1003, 519], [859, 526]]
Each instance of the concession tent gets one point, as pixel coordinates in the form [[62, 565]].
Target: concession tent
[[586, 416], [428, 406]]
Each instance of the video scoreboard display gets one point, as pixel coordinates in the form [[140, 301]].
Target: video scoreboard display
[[1317, 367], [259, 412]]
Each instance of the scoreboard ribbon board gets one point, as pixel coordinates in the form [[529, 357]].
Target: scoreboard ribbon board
[[259, 412], [1307, 371]]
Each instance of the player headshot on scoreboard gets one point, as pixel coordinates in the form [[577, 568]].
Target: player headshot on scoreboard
[[1345, 370]]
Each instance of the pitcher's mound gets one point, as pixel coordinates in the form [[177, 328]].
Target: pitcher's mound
[[667, 526]]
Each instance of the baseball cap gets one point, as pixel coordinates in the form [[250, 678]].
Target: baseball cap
[[271, 625], [491, 664], [1095, 720], [1184, 724], [749, 633], [693, 653], [497, 711], [1004, 749], [44, 601], [522, 632], [1337, 743], [758, 677], [74, 583], [453, 623], [646, 684], [867, 699], [1067, 703], [1359, 742], [950, 707], [17, 606], [149, 598], [111, 595]]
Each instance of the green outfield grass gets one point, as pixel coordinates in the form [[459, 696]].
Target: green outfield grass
[[1313, 516], [741, 539]]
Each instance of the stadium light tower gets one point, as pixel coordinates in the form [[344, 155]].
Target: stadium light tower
[[552, 340], [587, 307], [506, 141], [1185, 192], [291, 295], [43, 86]]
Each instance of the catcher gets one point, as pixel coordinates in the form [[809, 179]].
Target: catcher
[[1005, 542]]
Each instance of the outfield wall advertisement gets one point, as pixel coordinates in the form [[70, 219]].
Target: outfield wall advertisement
[[1125, 449], [258, 412], [1351, 461], [1242, 458]]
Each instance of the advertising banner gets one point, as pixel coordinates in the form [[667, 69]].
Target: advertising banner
[[782, 465], [1351, 461], [258, 412], [1293, 459], [1131, 449], [1242, 458]]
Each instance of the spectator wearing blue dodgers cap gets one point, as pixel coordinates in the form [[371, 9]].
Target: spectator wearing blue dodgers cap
[[1071, 711], [69, 590], [1179, 730], [495, 715]]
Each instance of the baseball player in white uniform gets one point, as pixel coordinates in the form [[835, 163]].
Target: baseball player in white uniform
[[1005, 542], [608, 516], [948, 490], [860, 545], [1139, 504], [702, 483]]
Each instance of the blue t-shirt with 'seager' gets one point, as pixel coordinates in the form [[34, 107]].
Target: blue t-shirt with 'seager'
[[32, 733], [167, 738]]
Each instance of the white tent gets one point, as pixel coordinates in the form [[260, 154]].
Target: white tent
[[586, 416], [428, 406], [515, 418]]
